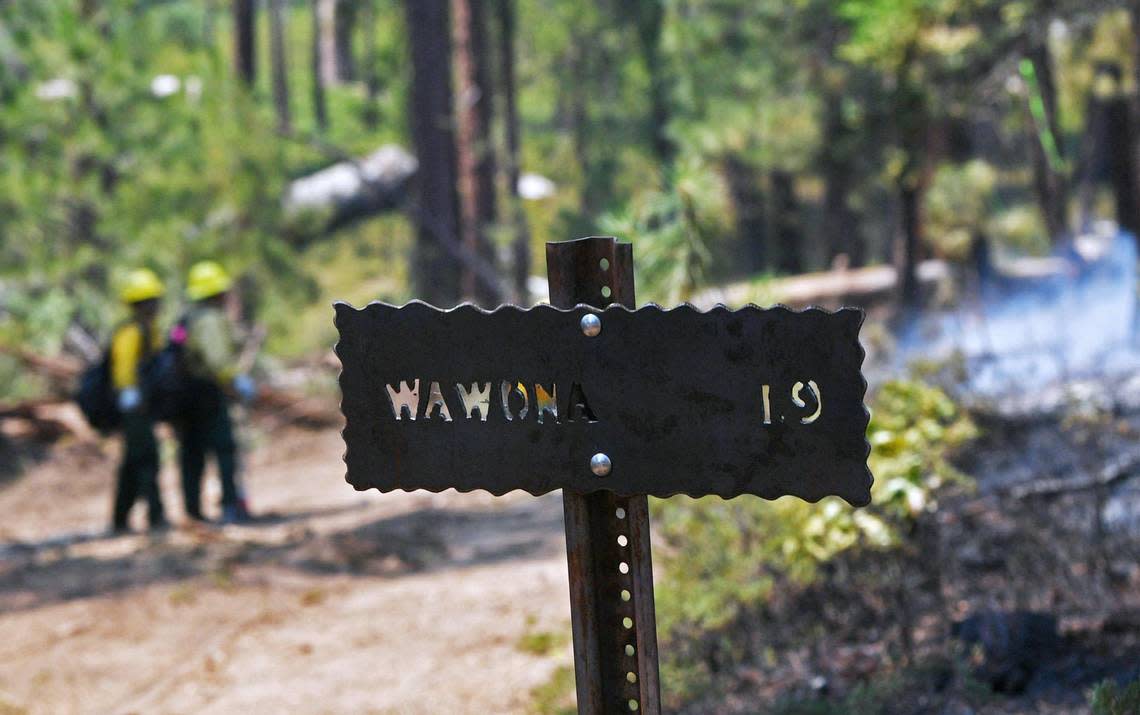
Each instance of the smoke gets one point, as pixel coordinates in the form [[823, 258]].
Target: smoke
[[1027, 324]]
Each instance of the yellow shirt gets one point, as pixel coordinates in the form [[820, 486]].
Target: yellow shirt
[[128, 352]]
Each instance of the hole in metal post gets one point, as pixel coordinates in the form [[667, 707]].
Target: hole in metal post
[[623, 567], [604, 264], [630, 650], [620, 513], [606, 292], [625, 595], [622, 541], [633, 706], [627, 622], [631, 677]]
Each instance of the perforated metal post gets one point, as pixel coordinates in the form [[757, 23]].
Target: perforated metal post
[[607, 537]]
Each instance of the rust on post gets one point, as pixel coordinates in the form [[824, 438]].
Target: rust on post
[[607, 537]]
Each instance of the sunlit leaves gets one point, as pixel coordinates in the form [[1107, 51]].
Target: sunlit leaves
[[722, 558]]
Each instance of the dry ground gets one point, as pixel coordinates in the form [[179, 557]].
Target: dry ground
[[334, 602]]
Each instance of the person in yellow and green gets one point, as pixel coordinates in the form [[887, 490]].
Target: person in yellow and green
[[133, 345], [211, 354]]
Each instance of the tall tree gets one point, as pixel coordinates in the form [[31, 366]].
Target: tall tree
[[648, 18], [747, 197], [279, 67], [475, 151], [245, 39], [787, 232], [326, 40], [371, 113], [1049, 181], [435, 271], [520, 244], [320, 103], [344, 27]]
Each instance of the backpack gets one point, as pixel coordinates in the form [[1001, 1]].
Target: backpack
[[96, 396], [172, 392]]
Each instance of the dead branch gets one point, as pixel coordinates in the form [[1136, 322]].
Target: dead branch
[[1115, 471]]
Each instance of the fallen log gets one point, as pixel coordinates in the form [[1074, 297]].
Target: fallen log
[[846, 286], [60, 372], [1117, 470], [354, 189]]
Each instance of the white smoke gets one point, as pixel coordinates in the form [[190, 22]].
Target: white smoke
[[1041, 322]]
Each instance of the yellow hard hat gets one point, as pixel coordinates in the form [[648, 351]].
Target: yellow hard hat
[[141, 284], [206, 280]]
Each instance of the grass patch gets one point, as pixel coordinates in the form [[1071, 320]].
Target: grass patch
[[183, 595], [313, 597], [556, 695], [542, 643]]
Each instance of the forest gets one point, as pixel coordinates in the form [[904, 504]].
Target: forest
[[967, 171]]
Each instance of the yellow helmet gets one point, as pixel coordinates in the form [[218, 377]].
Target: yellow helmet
[[141, 284], [206, 280]]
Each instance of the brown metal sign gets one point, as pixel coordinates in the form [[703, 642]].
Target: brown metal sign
[[650, 401]]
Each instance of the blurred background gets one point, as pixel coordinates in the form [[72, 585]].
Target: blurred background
[[968, 171]]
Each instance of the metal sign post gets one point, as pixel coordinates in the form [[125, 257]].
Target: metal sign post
[[607, 537], [610, 405]]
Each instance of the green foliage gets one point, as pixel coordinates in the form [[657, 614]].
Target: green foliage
[[107, 175], [722, 559], [671, 229], [556, 695], [1109, 698], [542, 643], [958, 206]]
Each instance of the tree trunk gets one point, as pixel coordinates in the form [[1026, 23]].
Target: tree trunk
[[747, 197], [906, 257], [578, 113], [520, 244], [650, 19], [1048, 181], [280, 69], [840, 222], [1119, 133], [320, 105], [474, 148], [786, 227], [371, 114], [435, 272], [1134, 103], [344, 26], [913, 133], [245, 39], [326, 39]]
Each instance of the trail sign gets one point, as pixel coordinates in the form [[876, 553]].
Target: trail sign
[[609, 405], [725, 402]]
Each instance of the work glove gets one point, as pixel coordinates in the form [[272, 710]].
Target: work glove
[[245, 388], [129, 399]]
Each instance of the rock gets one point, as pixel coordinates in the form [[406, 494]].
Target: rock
[[1013, 645]]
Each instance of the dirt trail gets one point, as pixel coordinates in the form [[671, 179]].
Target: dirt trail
[[334, 602]]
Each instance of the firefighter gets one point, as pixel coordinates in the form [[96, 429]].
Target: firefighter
[[211, 354], [133, 345]]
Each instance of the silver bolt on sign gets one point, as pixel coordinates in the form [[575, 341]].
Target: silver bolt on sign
[[591, 325], [600, 464]]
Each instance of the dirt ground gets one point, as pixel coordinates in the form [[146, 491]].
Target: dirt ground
[[333, 602]]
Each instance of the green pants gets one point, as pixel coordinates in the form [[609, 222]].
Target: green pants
[[138, 473], [206, 431]]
